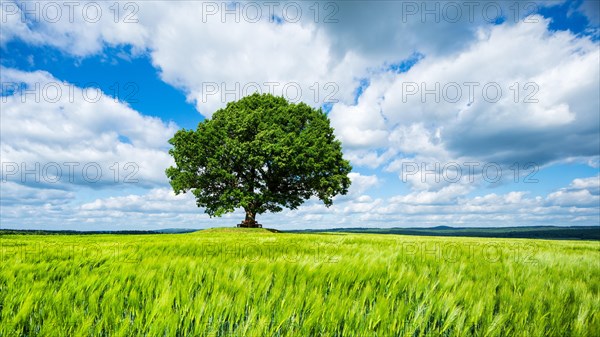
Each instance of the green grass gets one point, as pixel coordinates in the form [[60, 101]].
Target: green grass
[[245, 282]]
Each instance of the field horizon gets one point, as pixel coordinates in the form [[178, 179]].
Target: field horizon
[[524, 232]]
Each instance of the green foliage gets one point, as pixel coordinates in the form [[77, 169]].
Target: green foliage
[[253, 283], [260, 153]]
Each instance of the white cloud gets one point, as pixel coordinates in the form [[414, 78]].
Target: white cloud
[[452, 205], [215, 62], [195, 49], [14, 194], [79, 28], [446, 195], [591, 183], [583, 192], [50, 124], [157, 200], [361, 183], [574, 198], [366, 158], [564, 75]]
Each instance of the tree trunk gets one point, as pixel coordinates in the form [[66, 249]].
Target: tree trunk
[[250, 220]]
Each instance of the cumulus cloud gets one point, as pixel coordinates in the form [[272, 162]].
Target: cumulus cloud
[[583, 192], [79, 28], [57, 135], [157, 200], [219, 51], [14, 194], [212, 56], [548, 109], [446, 195], [216, 62], [361, 183], [453, 205], [574, 198], [591, 183]]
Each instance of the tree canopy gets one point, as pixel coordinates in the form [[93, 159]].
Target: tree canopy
[[262, 154]]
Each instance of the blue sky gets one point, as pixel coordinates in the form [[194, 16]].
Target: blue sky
[[110, 71], [161, 66]]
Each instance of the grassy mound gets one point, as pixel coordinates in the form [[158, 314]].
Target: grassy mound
[[236, 230]]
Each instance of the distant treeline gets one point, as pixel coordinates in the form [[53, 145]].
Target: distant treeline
[[68, 232], [532, 232], [73, 232]]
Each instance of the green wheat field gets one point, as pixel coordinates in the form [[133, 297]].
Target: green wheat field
[[253, 282]]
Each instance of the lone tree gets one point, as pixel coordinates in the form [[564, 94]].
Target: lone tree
[[260, 153]]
